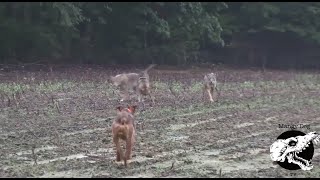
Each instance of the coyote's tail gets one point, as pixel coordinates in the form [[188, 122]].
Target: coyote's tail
[[149, 67]]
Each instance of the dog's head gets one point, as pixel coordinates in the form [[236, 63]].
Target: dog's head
[[125, 114], [129, 109], [211, 78], [212, 75], [132, 109], [143, 79], [114, 80]]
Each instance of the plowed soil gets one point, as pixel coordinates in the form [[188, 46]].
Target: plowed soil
[[58, 123]]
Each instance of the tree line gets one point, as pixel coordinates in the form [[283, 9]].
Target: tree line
[[262, 34]]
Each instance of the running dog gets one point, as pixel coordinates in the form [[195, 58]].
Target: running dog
[[123, 128]]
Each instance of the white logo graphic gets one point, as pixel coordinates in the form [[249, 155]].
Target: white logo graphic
[[291, 147]]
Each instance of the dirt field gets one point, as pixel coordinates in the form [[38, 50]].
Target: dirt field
[[61, 121]]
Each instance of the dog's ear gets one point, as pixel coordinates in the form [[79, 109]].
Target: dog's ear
[[119, 108], [132, 108]]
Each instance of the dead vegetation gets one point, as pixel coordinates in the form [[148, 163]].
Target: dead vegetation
[[58, 123]]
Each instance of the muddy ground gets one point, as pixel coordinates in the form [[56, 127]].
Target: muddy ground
[[56, 122]]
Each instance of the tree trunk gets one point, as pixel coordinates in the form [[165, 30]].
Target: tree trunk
[[26, 14], [235, 58], [85, 41], [67, 47]]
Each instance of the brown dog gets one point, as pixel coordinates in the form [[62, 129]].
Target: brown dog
[[129, 81], [123, 128], [210, 85]]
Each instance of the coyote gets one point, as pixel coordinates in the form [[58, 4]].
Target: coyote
[[131, 81], [144, 88], [210, 85]]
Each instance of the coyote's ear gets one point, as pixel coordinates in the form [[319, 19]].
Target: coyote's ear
[[119, 108], [132, 109]]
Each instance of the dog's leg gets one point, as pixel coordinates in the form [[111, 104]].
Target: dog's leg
[[123, 92], [121, 95], [122, 98], [143, 105], [125, 160], [140, 98], [213, 94], [130, 144], [118, 148], [127, 96], [152, 99], [210, 95], [128, 148], [204, 94], [217, 91], [133, 140]]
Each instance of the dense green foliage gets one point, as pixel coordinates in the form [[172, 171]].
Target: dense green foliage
[[158, 32]]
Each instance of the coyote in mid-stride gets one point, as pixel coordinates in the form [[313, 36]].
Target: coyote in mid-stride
[[144, 88], [210, 85], [132, 81]]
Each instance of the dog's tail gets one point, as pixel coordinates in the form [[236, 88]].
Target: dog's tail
[[149, 67]]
